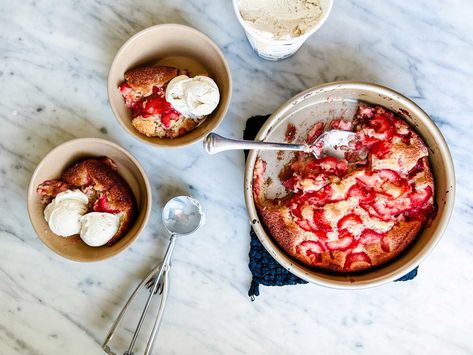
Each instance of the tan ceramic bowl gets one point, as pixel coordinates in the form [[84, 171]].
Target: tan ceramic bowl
[[339, 100], [174, 45], [52, 166]]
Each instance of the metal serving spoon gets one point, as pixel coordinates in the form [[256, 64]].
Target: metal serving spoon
[[333, 143], [182, 215]]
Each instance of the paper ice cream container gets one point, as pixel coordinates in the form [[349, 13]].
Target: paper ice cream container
[[270, 48]]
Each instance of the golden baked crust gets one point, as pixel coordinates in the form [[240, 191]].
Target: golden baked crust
[[105, 188], [350, 216], [152, 126], [143, 79]]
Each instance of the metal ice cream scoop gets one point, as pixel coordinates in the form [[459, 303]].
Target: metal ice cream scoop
[[181, 216]]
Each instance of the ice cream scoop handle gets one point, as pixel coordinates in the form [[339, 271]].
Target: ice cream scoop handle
[[159, 316], [164, 266], [120, 317]]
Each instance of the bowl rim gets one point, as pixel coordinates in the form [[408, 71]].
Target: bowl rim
[[294, 267], [145, 31], [31, 190]]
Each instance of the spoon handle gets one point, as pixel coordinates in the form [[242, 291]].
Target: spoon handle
[[215, 143]]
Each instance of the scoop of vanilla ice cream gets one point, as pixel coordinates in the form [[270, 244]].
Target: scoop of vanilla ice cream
[[97, 228], [193, 97], [281, 19], [64, 212]]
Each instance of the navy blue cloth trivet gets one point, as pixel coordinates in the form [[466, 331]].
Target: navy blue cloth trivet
[[264, 268]]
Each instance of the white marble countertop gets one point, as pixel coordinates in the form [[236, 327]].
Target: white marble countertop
[[55, 57]]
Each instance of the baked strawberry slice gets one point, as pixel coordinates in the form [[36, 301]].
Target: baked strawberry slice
[[380, 149], [290, 183], [311, 183], [419, 198], [386, 209], [380, 122], [420, 166], [304, 225], [344, 242], [349, 220], [388, 175], [168, 117], [320, 221], [132, 99], [369, 236], [356, 258], [342, 167], [394, 191], [102, 205], [316, 197], [369, 180], [363, 195], [307, 213], [314, 132], [311, 248]]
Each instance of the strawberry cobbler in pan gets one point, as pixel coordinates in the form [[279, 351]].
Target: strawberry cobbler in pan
[[355, 213]]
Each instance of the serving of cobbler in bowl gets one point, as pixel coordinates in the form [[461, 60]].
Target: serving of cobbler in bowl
[[169, 85], [88, 199], [359, 221]]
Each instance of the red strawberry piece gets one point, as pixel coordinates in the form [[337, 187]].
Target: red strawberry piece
[[320, 221], [344, 242], [315, 197], [304, 225], [388, 175], [385, 211], [360, 257], [369, 180], [406, 138], [419, 198], [385, 245], [349, 220], [393, 191], [367, 139], [131, 98], [314, 132], [102, 205], [166, 121], [312, 249], [380, 149], [420, 166], [321, 235], [341, 125], [290, 183], [362, 194], [380, 123], [369, 236], [295, 208], [342, 167]]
